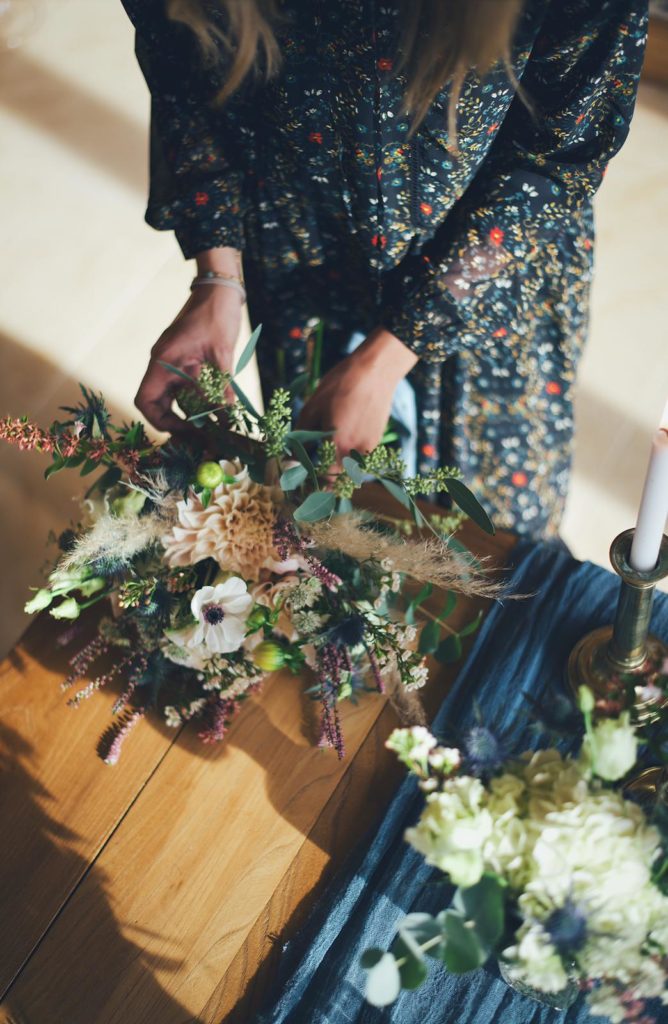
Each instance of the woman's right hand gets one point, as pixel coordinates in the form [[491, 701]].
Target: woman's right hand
[[205, 330]]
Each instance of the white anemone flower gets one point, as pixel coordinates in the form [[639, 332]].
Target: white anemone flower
[[221, 613]]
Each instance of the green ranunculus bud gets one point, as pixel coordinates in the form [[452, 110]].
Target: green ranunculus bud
[[586, 700], [269, 656], [257, 618], [42, 599], [209, 474], [67, 609], [128, 504]]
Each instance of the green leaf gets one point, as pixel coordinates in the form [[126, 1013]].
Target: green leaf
[[418, 518], [316, 506], [55, 467], [344, 506], [429, 638], [413, 971], [471, 627], [300, 453], [449, 606], [89, 466], [308, 435], [179, 373], [112, 475], [416, 602], [463, 948], [353, 470], [246, 402], [396, 491], [205, 496], [383, 983], [247, 354], [469, 504], [298, 385], [293, 477], [370, 957], [449, 650], [424, 928], [484, 904]]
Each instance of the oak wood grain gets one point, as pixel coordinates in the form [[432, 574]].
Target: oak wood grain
[[213, 855]]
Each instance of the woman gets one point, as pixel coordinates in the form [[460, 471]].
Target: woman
[[366, 176]]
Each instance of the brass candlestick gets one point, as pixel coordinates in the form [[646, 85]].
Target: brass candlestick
[[610, 659]]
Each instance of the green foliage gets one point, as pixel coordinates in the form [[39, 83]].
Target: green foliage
[[317, 506], [275, 424]]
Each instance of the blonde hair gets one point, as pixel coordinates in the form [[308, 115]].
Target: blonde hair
[[440, 41]]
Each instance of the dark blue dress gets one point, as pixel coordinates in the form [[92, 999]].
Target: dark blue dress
[[480, 261]]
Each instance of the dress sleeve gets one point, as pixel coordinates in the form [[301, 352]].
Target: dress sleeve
[[196, 184], [474, 276]]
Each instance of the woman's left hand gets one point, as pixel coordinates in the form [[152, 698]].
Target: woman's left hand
[[355, 397]]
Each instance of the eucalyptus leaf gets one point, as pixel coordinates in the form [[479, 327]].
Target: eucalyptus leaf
[[177, 371], [413, 970], [383, 983], [353, 470], [449, 606], [308, 435], [344, 506], [396, 491], [316, 506], [429, 638], [297, 449], [245, 401], [469, 504], [472, 626], [298, 385], [484, 904], [463, 949], [424, 929], [450, 649], [247, 354], [293, 477]]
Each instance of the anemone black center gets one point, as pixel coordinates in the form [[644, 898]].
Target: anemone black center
[[213, 614]]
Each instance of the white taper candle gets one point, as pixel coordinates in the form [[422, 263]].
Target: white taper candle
[[653, 510]]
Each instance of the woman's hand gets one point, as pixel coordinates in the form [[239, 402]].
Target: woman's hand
[[355, 397], [205, 330]]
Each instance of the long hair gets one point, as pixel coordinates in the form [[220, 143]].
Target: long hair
[[440, 41]]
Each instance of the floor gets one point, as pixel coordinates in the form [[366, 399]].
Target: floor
[[87, 287]]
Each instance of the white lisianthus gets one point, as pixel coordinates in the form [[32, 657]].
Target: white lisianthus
[[612, 750], [453, 828], [535, 961]]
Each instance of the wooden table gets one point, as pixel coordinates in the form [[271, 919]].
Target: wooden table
[[159, 891]]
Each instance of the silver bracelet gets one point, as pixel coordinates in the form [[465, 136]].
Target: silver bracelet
[[225, 282]]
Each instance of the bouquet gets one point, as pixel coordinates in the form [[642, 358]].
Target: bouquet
[[233, 551], [559, 873]]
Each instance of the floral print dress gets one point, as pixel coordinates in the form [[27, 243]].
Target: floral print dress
[[478, 258]]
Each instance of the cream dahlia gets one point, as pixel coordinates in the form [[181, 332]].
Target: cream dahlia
[[235, 529]]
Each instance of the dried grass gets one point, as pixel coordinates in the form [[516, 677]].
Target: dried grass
[[426, 560]]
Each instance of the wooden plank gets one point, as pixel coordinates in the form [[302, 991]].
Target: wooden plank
[[655, 68], [223, 848], [58, 801]]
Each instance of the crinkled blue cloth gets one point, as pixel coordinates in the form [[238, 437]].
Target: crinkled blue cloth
[[523, 648]]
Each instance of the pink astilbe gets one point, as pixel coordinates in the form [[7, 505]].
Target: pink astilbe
[[111, 742], [101, 680], [83, 659], [139, 667], [218, 715]]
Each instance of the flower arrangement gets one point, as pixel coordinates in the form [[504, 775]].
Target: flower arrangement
[[559, 873], [231, 551]]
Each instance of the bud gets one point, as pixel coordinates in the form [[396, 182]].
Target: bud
[[257, 619], [129, 504], [586, 701], [269, 656], [209, 475], [42, 599], [67, 609]]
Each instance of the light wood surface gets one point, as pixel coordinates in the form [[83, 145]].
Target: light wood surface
[[160, 891]]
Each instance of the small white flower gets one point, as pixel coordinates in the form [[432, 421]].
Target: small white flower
[[612, 750], [172, 717], [221, 613]]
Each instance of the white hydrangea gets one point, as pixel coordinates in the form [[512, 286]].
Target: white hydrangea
[[453, 828]]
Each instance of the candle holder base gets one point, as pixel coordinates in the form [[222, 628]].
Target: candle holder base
[[591, 664]]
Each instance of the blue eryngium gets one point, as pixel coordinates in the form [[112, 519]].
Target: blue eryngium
[[484, 751], [567, 927]]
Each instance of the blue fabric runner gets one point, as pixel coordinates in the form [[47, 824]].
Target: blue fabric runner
[[523, 647]]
